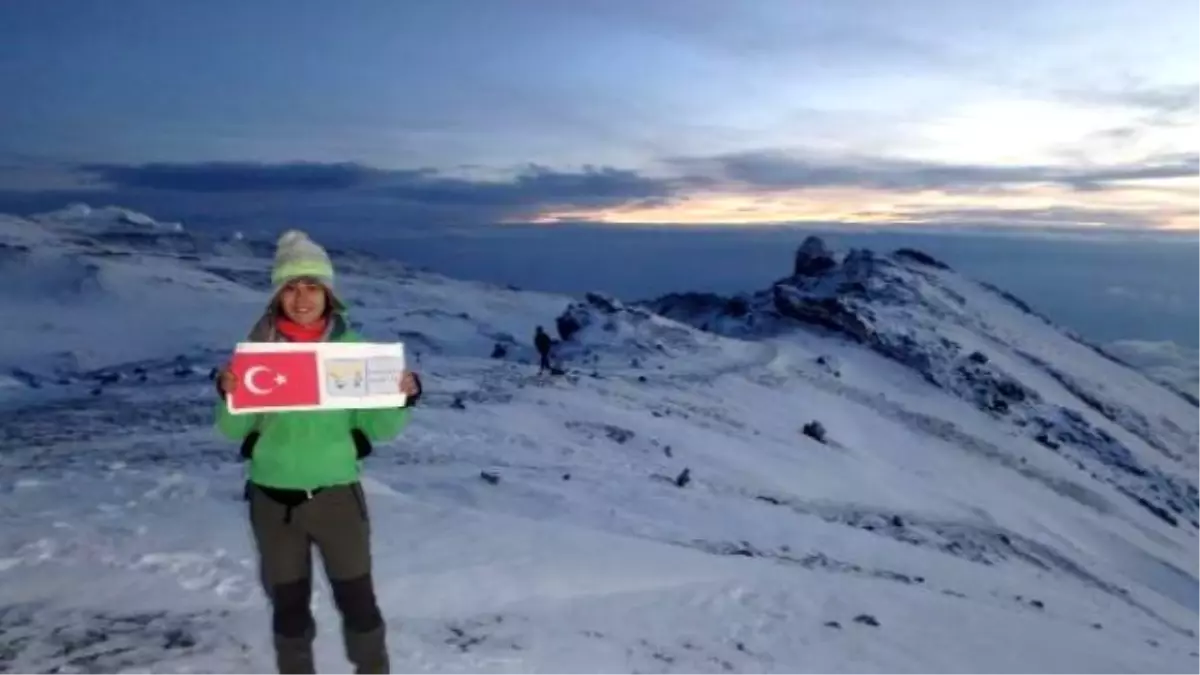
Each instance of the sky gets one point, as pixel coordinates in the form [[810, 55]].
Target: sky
[[1036, 113]]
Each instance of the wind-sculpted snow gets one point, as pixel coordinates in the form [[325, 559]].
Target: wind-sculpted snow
[[874, 465]]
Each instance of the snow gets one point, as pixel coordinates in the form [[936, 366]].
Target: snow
[[124, 542]]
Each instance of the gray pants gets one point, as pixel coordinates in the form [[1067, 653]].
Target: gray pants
[[337, 522]]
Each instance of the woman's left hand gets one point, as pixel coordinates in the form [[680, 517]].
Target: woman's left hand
[[410, 384]]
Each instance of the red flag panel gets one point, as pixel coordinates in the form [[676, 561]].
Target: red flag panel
[[275, 379]]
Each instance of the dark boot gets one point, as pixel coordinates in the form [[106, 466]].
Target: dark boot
[[293, 626], [294, 654], [367, 651]]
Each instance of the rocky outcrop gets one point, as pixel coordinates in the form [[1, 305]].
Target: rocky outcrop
[[813, 258], [919, 257], [903, 307], [580, 315]]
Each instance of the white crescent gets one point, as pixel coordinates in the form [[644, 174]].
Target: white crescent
[[248, 380]]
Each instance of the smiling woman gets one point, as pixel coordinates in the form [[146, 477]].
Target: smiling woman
[[304, 487]]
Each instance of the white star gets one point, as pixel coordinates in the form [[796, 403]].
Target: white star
[[280, 379]]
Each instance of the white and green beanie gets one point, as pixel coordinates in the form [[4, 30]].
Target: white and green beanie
[[296, 257]]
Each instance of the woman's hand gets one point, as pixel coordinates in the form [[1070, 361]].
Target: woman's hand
[[410, 384], [227, 382]]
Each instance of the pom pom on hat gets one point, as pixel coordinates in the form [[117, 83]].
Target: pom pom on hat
[[296, 256]]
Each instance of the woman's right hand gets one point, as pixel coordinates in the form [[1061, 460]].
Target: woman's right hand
[[227, 382]]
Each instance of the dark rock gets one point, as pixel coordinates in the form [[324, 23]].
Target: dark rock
[[567, 326], [978, 357], [813, 258], [897, 521], [769, 500], [641, 378], [603, 303], [1011, 390], [827, 312], [458, 403], [1038, 604], [814, 430], [737, 307], [744, 550], [920, 257], [832, 624], [1159, 511], [1097, 626], [490, 477], [566, 476], [683, 478], [1044, 439], [499, 351], [667, 451], [178, 639], [617, 434], [866, 620]]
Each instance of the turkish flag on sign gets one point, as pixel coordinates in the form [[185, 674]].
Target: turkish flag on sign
[[275, 379]]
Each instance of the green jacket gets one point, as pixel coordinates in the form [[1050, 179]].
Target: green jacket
[[307, 449]]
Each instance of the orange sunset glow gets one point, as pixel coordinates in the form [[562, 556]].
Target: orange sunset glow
[[1159, 204]]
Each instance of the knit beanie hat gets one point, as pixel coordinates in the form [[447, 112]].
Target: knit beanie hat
[[297, 256]]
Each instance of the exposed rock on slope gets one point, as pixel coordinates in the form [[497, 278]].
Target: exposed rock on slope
[[956, 334]]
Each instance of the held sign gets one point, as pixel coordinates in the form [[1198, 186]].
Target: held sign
[[283, 376]]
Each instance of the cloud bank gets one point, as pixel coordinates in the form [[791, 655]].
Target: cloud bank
[[744, 187]]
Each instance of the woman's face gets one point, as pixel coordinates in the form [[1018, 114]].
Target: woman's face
[[303, 301]]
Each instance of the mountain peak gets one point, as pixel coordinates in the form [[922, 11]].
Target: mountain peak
[[813, 257], [978, 344]]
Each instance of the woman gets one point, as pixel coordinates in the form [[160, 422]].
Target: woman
[[304, 466]]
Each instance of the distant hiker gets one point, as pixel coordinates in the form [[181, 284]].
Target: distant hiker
[[543, 343], [303, 485]]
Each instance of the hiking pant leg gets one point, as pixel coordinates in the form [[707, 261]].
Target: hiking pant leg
[[285, 563], [340, 527]]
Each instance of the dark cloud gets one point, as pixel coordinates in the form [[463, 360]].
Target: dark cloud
[[429, 197], [531, 189], [774, 170], [537, 187], [235, 176]]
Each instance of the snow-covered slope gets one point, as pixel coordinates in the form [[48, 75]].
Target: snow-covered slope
[[818, 477]]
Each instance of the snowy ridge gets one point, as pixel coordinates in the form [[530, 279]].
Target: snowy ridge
[[980, 346], [875, 465]]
